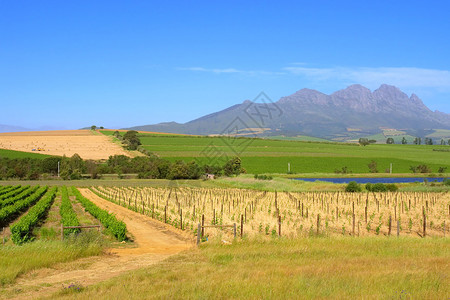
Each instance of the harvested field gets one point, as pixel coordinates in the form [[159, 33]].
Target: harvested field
[[86, 143]]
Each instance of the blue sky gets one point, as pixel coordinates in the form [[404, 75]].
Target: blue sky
[[70, 64]]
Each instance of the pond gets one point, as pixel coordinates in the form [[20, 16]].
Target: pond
[[375, 180]]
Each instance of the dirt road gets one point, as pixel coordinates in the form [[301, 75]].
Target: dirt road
[[155, 242]]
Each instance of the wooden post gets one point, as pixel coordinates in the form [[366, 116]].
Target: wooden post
[[318, 224], [153, 210], [242, 225], [424, 222], [245, 215], [165, 214], [365, 214], [199, 230], [398, 227], [353, 225], [181, 219], [302, 209], [234, 229], [279, 225], [214, 217], [203, 224], [389, 224]]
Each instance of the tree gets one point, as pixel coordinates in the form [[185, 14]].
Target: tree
[[428, 141], [131, 139], [364, 141], [353, 187], [442, 169], [50, 165], [93, 127], [373, 167], [417, 141], [404, 141], [442, 142], [390, 141], [420, 169], [233, 167]]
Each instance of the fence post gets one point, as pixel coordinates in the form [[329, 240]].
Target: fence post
[[279, 225], [165, 214], [198, 233], [234, 230], [318, 224], [398, 227], [181, 218], [242, 225], [62, 232], [389, 224], [353, 223], [203, 224], [444, 229], [424, 222]]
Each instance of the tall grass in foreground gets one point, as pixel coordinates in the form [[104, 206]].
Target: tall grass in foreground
[[340, 268], [17, 260]]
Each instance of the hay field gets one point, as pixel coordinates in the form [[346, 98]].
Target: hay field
[[86, 143]]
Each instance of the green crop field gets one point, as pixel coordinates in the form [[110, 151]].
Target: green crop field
[[273, 156], [19, 154]]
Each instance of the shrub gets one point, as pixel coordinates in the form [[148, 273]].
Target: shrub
[[379, 187], [447, 181], [420, 169], [353, 187], [391, 187]]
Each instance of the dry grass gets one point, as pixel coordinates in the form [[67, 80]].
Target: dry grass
[[337, 268]]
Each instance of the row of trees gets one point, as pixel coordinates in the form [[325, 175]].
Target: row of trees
[[390, 140], [145, 166]]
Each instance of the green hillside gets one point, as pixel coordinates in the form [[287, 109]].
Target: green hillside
[[273, 156]]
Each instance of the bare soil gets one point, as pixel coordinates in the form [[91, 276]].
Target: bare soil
[[86, 143], [154, 242]]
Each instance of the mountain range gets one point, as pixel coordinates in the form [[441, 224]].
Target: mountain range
[[345, 114]]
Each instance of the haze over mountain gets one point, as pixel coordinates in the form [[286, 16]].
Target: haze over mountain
[[348, 113]]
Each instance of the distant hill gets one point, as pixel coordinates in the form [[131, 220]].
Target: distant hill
[[10, 128], [346, 114]]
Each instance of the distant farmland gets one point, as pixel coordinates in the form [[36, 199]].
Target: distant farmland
[[19, 154], [273, 156]]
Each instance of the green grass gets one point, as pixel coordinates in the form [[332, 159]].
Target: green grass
[[338, 268], [17, 260], [19, 154], [272, 156], [304, 138]]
